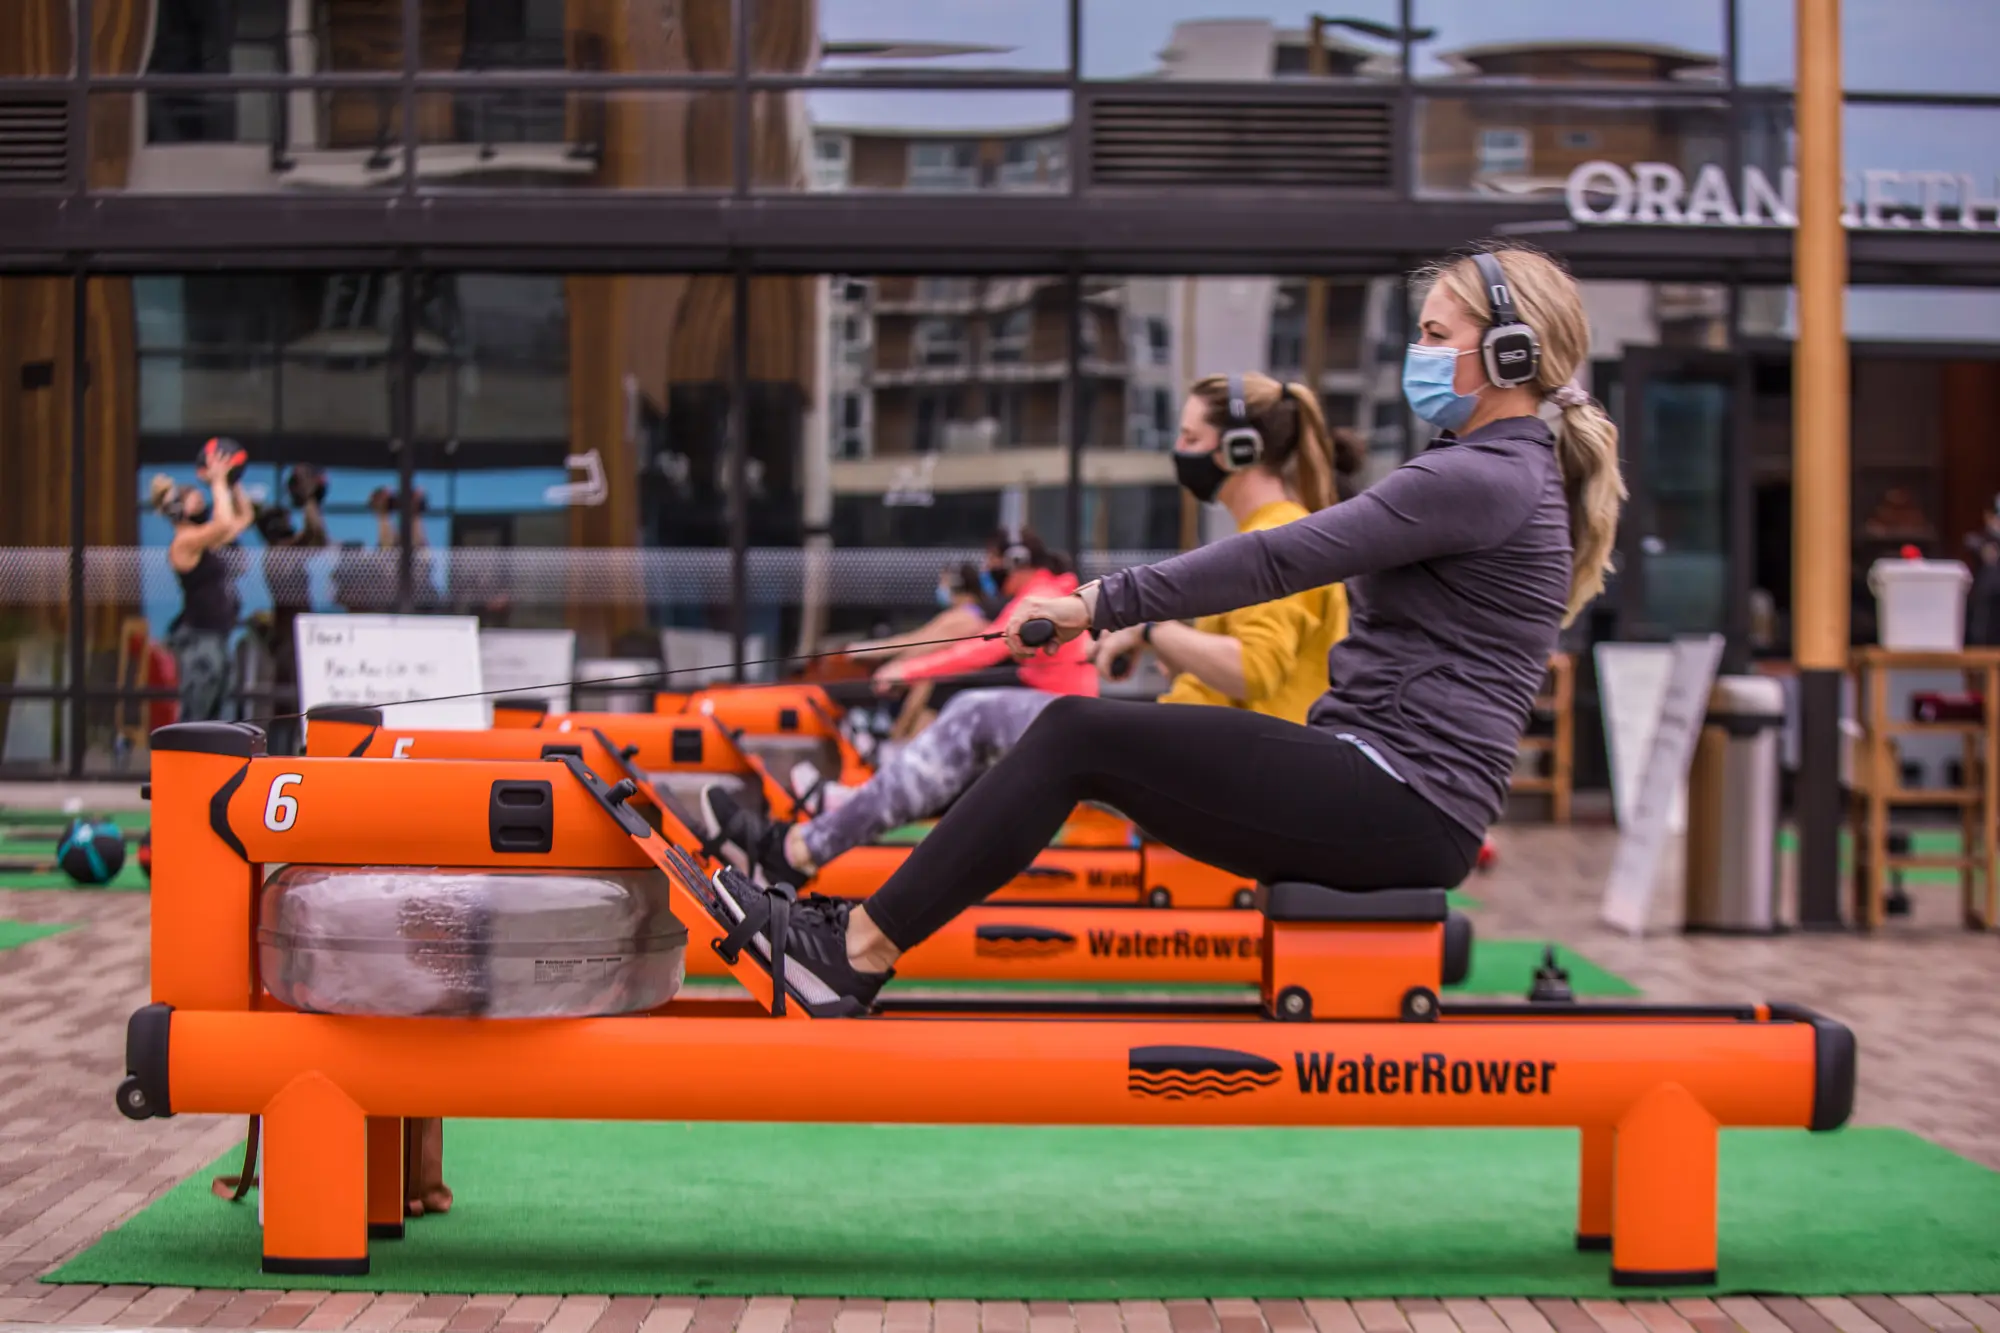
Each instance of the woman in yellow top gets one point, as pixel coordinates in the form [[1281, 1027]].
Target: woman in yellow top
[[1261, 450]]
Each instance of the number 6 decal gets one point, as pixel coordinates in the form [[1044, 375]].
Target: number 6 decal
[[282, 811]]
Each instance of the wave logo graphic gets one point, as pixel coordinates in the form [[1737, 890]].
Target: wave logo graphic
[[1001, 941], [1182, 1073]]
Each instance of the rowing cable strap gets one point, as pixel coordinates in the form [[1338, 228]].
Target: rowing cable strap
[[777, 916]]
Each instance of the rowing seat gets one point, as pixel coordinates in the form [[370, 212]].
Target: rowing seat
[[1332, 954]]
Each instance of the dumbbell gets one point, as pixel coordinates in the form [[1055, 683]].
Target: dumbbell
[[304, 484], [226, 451]]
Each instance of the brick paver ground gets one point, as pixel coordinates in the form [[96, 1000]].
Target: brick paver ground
[[1921, 997]]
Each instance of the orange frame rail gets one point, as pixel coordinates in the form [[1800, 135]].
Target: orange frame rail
[[1649, 1087]]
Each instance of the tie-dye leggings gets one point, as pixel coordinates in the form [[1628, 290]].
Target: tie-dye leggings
[[973, 730]]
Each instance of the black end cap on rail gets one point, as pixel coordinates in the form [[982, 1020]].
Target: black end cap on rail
[[1457, 948], [144, 1093], [237, 740], [539, 707], [1833, 1066], [358, 714]]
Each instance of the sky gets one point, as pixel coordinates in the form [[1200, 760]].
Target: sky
[[1887, 45]]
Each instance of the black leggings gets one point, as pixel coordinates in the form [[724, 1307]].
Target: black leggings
[[1258, 796]]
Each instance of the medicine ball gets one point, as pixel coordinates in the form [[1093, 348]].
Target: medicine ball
[[304, 483], [146, 852], [227, 451], [91, 853]]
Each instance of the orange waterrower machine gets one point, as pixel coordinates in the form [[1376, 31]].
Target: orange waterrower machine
[[1075, 916], [1648, 1086]]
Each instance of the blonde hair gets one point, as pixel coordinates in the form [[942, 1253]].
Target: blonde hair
[[1586, 439], [1297, 444]]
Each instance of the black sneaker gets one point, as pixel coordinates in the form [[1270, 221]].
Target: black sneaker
[[744, 839], [812, 944]]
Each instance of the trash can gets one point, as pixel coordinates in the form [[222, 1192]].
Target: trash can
[[1732, 828]]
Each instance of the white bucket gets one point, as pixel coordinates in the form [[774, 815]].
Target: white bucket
[[1920, 604]]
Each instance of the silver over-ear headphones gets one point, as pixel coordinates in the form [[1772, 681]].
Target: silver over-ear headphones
[[1016, 554], [1510, 349], [1242, 443]]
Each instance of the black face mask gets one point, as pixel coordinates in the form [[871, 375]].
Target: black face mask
[[1199, 474]]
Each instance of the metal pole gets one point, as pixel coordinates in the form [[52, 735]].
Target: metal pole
[[1820, 466], [1081, 401], [79, 411], [403, 421], [738, 463]]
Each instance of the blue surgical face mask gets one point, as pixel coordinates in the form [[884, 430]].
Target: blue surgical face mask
[[944, 596], [1427, 384]]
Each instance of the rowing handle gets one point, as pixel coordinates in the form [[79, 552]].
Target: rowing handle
[[1038, 631]]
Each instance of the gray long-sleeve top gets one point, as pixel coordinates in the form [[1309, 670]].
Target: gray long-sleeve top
[[1460, 569]]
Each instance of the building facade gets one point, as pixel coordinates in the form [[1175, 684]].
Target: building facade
[[635, 315]]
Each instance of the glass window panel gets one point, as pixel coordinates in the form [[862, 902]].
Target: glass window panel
[[248, 142], [1928, 46], [492, 359], [919, 142], [1525, 151], [611, 139], [1472, 40], [1969, 316], [891, 38], [1931, 166], [1237, 40], [218, 38], [628, 37], [941, 412], [34, 519], [37, 39]]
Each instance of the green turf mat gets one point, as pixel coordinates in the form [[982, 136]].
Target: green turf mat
[[14, 933], [1097, 1214], [1923, 842], [1499, 968]]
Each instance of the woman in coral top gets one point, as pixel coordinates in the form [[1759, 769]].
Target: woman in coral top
[[972, 731]]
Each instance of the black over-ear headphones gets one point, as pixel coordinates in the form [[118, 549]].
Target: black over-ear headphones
[[1242, 443], [1016, 554], [1512, 352]]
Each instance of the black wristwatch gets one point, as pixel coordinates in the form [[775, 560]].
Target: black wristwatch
[[1146, 634]]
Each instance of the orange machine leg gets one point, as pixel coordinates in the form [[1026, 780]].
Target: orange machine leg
[[1663, 1197], [386, 1198], [1593, 1191], [315, 1180]]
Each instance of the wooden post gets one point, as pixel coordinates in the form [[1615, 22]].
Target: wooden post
[[1315, 339], [1820, 465]]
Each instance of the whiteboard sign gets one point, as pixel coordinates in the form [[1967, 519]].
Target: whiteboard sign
[[386, 660], [1635, 869], [1632, 686], [528, 664], [696, 657]]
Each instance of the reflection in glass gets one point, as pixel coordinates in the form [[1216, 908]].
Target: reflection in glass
[[34, 516], [1470, 40], [492, 358], [886, 38], [923, 142], [1922, 46], [610, 139], [1929, 167], [37, 39], [1203, 39], [247, 142], [1526, 150], [629, 37]]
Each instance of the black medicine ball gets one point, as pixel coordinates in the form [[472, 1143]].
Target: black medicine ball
[[146, 852], [91, 853]]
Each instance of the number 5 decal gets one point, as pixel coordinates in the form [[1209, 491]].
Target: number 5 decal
[[282, 811]]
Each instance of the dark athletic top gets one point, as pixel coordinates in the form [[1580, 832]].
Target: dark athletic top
[[208, 596], [1460, 561]]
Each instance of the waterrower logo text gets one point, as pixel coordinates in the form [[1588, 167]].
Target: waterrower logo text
[[1432, 1075], [1171, 944]]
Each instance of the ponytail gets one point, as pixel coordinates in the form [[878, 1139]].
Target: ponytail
[[1314, 450], [1587, 451]]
